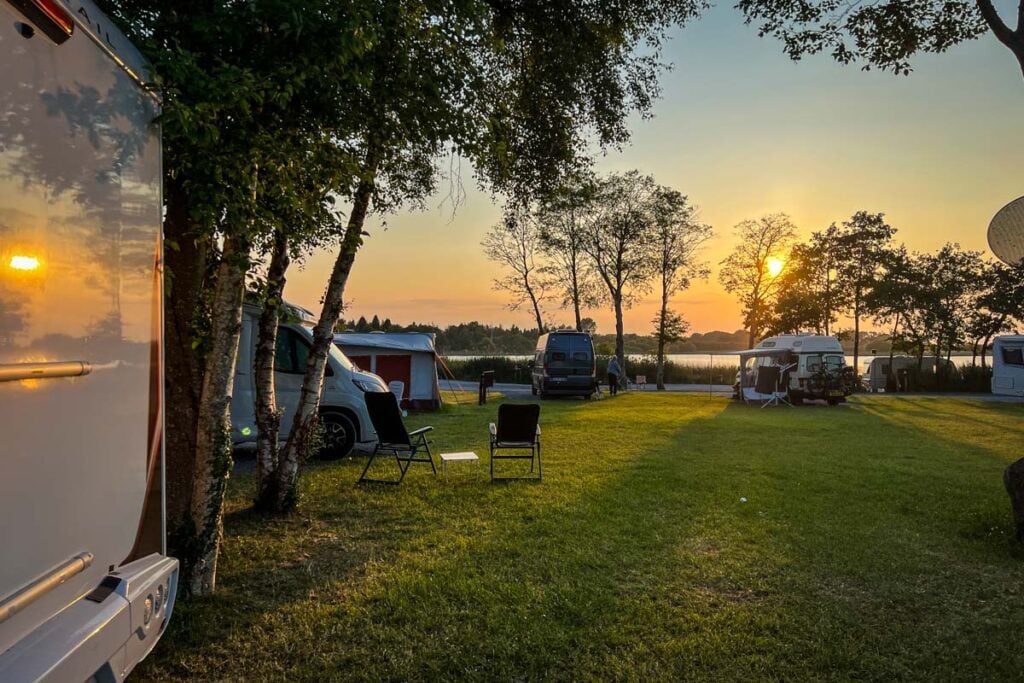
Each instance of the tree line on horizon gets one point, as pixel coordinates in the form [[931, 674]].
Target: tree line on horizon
[[476, 338]]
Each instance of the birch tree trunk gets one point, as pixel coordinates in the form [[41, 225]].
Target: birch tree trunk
[[620, 344], [306, 413], [660, 373], [213, 440], [268, 417]]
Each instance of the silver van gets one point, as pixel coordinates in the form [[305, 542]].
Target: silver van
[[343, 417]]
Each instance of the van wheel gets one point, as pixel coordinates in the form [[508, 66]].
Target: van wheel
[[833, 401], [338, 434]]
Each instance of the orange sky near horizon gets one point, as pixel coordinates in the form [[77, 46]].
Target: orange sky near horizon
[[743, 131]]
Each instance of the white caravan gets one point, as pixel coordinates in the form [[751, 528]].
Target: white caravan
[[86, 588], [814, 364], [1008, 366], [343, 416]]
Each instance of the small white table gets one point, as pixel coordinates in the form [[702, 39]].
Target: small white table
[[459, 457]]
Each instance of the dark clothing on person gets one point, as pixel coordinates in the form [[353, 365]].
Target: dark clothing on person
[[613, 383]]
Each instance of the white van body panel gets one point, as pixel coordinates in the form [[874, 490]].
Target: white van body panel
[[1008, 365], [81, 459], [340, 391]]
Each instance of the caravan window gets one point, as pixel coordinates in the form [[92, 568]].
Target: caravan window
[[1013, 355]]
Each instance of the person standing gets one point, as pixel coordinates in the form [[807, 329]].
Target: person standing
[[614, 370]]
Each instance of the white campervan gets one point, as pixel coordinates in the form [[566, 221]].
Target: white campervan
[[815, 364], [86, 587], [343, 416], [1008, 366]]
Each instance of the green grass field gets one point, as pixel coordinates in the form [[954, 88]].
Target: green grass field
[[876, 543]]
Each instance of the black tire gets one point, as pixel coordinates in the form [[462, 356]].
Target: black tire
[[796, 399], [339, 436], [833, 401]]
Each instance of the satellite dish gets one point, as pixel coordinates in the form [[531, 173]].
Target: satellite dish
[[1006, 233]]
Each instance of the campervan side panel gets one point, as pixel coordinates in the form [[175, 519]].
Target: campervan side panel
[[79, 287]]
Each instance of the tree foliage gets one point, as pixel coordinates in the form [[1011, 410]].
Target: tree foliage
[[746, 273], [883, 34], [514, 244]]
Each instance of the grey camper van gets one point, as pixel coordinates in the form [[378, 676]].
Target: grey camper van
[[86, 587], [343, 417], [564, 364]]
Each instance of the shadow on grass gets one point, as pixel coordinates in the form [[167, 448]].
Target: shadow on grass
[[636, 558]]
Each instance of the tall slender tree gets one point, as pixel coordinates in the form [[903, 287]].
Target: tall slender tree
[[754, 268], [677, 239], [514, 243], [563, 231], [619, 238], [861, 245]]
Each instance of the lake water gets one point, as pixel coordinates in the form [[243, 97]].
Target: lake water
[[703, 360]]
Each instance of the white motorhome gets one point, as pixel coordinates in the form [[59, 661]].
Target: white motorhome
[[814, 365], [86, 588], [343, 417], [1008, 365]]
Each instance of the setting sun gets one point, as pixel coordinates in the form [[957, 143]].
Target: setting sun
[[24, 263], [775, 266]]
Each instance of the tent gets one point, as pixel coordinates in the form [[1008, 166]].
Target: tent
[[407, 357]]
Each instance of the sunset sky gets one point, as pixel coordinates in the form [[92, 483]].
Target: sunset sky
[[743, 131]]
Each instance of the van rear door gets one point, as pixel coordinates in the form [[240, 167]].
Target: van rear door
[[569, 355]]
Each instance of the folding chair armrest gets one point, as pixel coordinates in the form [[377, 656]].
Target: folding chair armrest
[[493, 429], [421, 430], [538, 430]]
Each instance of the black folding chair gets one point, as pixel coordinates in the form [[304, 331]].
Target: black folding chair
[[392, 439], [518, 430]]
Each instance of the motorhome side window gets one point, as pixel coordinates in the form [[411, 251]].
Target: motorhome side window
[[1013, 355], [292, 353]]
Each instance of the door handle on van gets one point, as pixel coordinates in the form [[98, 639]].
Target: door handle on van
[[21, 599], [14, 372]]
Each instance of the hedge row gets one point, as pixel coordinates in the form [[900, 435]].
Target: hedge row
[[518, 371]]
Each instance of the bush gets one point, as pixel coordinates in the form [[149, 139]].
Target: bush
[[511, 370], [517, 371]]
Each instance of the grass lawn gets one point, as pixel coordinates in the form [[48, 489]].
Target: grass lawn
[[876, 543]]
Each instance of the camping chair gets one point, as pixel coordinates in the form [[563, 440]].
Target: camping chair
[[392, 438], [766, 384], [397, 387], [518, 429]]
